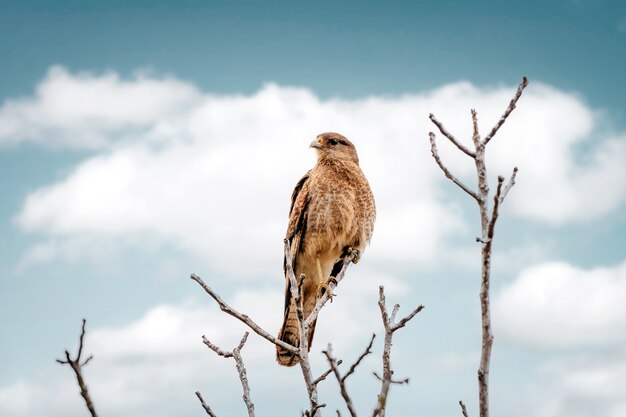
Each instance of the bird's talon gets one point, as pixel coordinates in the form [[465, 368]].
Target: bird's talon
[[357, 254], [324, 286]]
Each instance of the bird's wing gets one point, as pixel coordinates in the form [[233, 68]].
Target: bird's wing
[[296, 230]]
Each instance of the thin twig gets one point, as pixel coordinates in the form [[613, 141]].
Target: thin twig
[[340, 380], [76, 366], [510, 184], [325, 374], [367, 351], [463, 409], [508, 111], [446, 171], [393, 381], [450, 136], [243, 317], [204, 405]]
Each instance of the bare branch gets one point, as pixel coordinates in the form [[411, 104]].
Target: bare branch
[[243, 377], [86, 361], [509, 185], [340, 380], [405, 320], [216, 349], [508, 111], [325, 374], [393, 381], [497, 199], [446, 171], [242, 317], [206, 407], [475, 133], [76, 366], [463, 409], [80, 342], [368, 350], [313, 411], [241, 369], [390, 328], [450, 136]]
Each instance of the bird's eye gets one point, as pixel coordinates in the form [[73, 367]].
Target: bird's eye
[[333, 141]]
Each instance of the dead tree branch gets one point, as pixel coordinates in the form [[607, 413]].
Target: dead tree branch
[[450, 137], [242, 317], [463, 409], [390, 328], [341, 380], [204, 405], [446, 171], [77, 366], [488, 222], [241, 369], [508, 111]]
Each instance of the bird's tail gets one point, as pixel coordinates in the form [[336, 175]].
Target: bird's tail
[[290, 333]]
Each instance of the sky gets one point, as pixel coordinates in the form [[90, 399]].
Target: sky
[[141, 142]]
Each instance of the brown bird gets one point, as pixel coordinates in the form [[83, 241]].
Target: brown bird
[[332, 214]]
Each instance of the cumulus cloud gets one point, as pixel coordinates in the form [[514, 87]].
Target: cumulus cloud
[[212, 173], [556, 305], [92, 111]]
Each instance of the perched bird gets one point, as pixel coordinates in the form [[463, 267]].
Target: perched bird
[[332, 214]]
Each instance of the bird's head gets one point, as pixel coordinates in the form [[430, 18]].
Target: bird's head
[[336, 146]]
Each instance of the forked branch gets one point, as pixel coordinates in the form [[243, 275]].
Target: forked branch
[[390, 327], [241, 369], [341, 379], [77, 364]]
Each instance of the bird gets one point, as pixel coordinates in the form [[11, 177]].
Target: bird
[[332, 214]]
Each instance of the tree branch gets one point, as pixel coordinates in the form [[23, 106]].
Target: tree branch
[[450, 137], [390, 328], [340, 380], [241, 369], [463, 409], [76, 366], [243, 317], [446, 171], [509, 185], [325, 374], [368, 350], [206, 407], [508, 111]]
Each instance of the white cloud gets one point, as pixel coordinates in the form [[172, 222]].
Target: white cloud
[[213, 173], [555, 305], [584, 386], [92, 111]]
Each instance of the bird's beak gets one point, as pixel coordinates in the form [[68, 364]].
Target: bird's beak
[[315, 144]]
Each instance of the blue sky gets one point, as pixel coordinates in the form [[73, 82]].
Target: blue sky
[[131, 134]]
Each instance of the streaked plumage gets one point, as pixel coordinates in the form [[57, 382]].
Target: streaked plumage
[[332, 209]]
